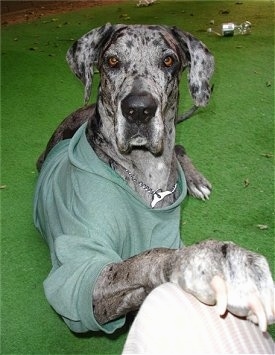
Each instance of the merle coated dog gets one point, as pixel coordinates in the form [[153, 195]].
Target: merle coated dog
[[131, 130]]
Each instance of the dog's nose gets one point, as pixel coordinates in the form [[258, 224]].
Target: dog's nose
[[139, 108]]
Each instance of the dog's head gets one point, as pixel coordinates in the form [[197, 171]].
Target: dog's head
[[140, 68]]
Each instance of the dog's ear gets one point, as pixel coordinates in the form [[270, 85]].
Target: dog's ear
[[84, 53], [200, 63]]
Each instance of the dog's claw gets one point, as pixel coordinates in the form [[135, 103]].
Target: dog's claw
[[201, 192], [257, 314], [219, 286], [208, 271], [206, 192]]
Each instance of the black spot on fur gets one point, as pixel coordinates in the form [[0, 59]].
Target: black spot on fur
[[154, 27], [156, 42], [224, 250], [112, 164], [189, 37], [129, 44], [194, 89], [126, 67], [82, 70], [68, 133], [180, 151], [74, 47], [95, 122]]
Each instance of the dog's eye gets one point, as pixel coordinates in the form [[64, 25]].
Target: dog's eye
[[168, 61], [113, 62]]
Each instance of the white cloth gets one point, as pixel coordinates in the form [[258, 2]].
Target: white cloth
[[170, 321]]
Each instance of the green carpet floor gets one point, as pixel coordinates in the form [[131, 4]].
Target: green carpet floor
[[231, 141]]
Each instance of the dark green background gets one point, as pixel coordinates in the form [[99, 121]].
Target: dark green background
[[231, 141]]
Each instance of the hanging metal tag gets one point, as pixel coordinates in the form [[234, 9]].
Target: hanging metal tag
[[159, 195]]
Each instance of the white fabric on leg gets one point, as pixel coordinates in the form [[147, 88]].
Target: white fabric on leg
[[172, 321]]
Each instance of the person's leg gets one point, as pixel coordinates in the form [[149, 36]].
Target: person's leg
[[172, 321]]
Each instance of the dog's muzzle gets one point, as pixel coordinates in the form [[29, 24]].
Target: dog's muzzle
[[141, 126]]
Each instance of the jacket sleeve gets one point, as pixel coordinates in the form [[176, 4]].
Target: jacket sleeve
[[69, 286], [75, 213], [82, 238]]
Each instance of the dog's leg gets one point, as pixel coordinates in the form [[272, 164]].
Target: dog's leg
[[122, 287], [197, 185], [207, 270], [66, 130]]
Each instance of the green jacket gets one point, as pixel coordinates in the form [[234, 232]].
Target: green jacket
[[90, 217]]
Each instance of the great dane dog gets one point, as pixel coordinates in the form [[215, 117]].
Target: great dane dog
[[111, 184]]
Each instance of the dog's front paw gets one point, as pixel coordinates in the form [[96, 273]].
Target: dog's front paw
[[197, 185], [233, 278], [249, 286]]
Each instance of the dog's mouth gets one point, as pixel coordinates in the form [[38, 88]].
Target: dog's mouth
[[149, 137], [141, 143], [138, 141]]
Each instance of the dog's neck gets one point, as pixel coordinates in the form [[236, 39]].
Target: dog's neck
[[157, 172]]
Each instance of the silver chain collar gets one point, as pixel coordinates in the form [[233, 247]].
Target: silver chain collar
[[158, 194]]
